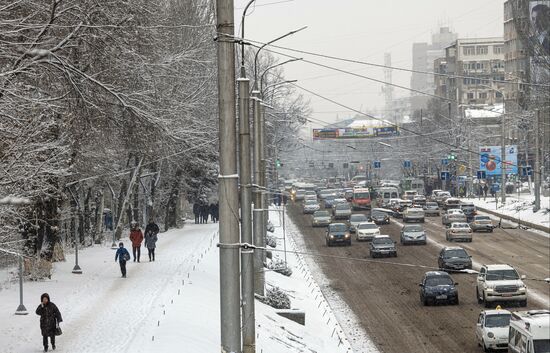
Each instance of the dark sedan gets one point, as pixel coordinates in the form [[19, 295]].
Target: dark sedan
[[454, 258], [380, 216], [438, 287], [338, 233]]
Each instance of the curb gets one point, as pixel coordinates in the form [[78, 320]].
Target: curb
[[516, 220]]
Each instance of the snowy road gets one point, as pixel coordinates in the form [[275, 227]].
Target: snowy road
[[103, 312]]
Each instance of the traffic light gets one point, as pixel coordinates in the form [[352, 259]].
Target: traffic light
[[278, 163], [451, 157]]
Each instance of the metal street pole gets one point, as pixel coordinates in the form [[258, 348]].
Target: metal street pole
[[247, 256], [503, 159], [230, 318], [263, 179], [259, 240], [21, 310], [76, 269], [538, 170]]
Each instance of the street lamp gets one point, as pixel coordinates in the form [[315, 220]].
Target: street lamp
[[502, 146], [266, 44], [274, 66], [275, 85], [242, 37]]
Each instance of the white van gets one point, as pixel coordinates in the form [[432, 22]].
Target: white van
[[529, 332], [385, 194]]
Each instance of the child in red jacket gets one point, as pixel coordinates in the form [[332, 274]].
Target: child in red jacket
[[136, 236]]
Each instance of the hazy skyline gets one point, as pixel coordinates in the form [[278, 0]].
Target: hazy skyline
[[352, 29]]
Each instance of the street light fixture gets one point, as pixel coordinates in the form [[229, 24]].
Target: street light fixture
[[275, 85], [274, 66]]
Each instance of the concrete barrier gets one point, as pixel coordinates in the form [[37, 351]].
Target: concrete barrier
[[516, 220], [298, 316]]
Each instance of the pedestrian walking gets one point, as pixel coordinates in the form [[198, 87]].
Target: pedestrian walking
[[136, 236], [211, 212], [204, 213], [217, 212], [122, 255], [50, 317], [151, 243], [197, 212]]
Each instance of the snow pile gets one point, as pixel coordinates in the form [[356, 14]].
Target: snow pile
[[518, 207]]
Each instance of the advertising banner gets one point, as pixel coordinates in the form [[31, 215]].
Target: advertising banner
[[490, 161], [354, 133], [539, 40]]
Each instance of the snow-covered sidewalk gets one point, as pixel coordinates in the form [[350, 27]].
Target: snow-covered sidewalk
[[520, 208], [170, 305]]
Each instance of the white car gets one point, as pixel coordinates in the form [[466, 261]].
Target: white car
[[310, 206], [499, 283], [366, 231], [492, 329]]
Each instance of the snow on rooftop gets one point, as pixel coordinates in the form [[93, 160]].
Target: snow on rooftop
[[494, 111]]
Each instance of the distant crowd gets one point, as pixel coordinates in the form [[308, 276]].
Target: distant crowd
[[202, 211]]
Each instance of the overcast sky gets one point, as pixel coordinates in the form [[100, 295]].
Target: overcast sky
[[364, 30]]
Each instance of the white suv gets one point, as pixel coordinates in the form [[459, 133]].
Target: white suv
[[499, 283]]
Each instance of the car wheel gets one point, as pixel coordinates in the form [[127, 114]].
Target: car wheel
[[349, 243], [485, 302], [424, 301], [456, 301], [490, 230], [479, 301], [485, 349], [523, 303], [372, 255]]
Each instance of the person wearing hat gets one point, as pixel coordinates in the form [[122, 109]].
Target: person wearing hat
[[122, 255], [136, 236], [50, 317]]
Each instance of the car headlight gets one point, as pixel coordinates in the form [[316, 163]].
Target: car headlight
[[347, 235], [523, 287], [490, 335], [332, 237]]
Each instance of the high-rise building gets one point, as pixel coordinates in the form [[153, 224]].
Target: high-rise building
[[424, 55]]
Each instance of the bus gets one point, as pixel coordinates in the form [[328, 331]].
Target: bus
[[413, 184], [361, 199]]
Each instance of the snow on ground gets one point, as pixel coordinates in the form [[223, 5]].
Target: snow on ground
[[519, 207], [168, 305]]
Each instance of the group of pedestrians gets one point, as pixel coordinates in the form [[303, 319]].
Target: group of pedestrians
[[137, 237], [202, 211]]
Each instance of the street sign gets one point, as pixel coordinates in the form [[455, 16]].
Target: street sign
[[345, 165], [407, 164], [444, 161], [526, 170], [377, 164], [445, 175], [481, 174]]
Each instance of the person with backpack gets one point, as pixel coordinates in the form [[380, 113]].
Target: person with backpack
[[50, 317], [151, 238], [122, 255], [136, 236]]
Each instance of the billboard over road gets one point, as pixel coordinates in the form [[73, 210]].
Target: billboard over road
[[354, 133], [489, 159]]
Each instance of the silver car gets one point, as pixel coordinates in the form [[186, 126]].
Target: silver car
[[453, 215], [482, 223], [355, 219], [342, 211], [413, 234], [321, 219], [431, 209], [459, 231]]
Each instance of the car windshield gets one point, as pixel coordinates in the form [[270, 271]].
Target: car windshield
[[382, 241], [413, 228], [499, 320], [377, 214], [500, 275], [361, 195], [322, 214], [461, 253], [483, 218], [438, 281], [358, 218], [456, 212], [367, 226], [329, 198], [342, 206], [431, 204], [311, 202], [338, 228], [541, 346]]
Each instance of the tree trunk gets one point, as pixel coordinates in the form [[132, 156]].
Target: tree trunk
[[171, 206]]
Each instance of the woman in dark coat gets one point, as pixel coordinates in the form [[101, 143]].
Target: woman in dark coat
[[50, 317]]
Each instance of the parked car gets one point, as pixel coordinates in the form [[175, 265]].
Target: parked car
[[500, 283], [492, 329], [382, 245], [459, 231], [355, 219], [451, 203], [469, 209], [454, 258], [342, 211], [321, 219], [482, 223], [367, 231], [380, 215], [431, 209], [310, 206], [413, 234], [453, 216], [437, 287], [413, 214], [337, 233]]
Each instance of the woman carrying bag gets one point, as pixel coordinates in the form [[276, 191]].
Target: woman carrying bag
[[50, 317]]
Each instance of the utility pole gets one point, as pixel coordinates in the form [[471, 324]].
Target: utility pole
[[230, 318], [258, 219], [247, 256], [503, 159], [538, 170]]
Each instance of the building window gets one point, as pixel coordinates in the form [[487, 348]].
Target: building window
[[498, 94], [498, 49], [479, 66], [469, 50], [483, 95], [470, 96], [482, 50]]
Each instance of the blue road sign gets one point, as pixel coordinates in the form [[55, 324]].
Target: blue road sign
[[481, 174], [377, 164], [444, 161], [445, 175], [526, 170], [407, 164]]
